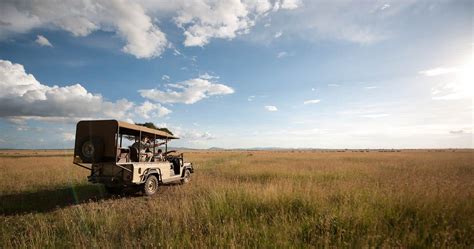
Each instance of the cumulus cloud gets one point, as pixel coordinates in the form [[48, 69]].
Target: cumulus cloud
[[203, 20], [187, 92], [148, 110], [136, 22], [42, 41], [312, 101], [126, 18], [271, 108], [22, 97]]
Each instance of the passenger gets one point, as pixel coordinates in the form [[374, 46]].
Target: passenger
[[145, 147], [159, 156]]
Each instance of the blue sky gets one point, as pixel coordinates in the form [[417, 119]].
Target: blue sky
[[239, 74]]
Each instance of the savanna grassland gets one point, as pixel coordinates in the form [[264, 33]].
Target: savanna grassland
[[247, 199]]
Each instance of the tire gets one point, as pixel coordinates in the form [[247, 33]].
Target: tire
[[187, 177], [151, 186], [91, 150]]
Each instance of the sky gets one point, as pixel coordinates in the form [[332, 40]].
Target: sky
[[241, 73]]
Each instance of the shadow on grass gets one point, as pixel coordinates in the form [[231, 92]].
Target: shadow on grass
[[48, 200]]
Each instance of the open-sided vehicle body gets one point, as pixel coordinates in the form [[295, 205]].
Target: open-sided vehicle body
[[99, 148]]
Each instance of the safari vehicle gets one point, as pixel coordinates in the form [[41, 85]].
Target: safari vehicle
[[99, 148]]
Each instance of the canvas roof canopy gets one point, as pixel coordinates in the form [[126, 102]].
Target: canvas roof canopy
[[107, 129], [135, 130]]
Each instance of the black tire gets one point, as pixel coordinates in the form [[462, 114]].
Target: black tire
[[91, 150], [151, 186], [187, 177]]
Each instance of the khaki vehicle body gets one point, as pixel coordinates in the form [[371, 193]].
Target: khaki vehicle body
[[99, 148]]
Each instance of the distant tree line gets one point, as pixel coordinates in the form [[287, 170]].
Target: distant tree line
[[153, 126]]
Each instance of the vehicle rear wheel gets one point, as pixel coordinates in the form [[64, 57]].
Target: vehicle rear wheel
[[187, 177], [151, 185]]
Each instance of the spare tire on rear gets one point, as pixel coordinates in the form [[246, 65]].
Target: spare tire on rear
[[91, 149]]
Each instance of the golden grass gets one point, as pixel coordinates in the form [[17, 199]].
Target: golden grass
[[249, 199]]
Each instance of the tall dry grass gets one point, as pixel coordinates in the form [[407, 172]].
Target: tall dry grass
[[249, 199]]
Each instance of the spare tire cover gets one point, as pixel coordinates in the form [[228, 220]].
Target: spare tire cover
[[91, 149]]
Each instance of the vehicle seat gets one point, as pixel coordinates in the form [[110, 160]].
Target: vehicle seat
[[133, 154], [123, 155]]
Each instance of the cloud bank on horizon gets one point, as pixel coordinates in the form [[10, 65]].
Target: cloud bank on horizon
[[22, 97]]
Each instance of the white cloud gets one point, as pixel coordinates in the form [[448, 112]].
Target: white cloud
[[282, 54], [68, 136], [362, 22], [250, 98], [371, 87], [207, 76], [271, 108], [23, 98], [165, 77], [148, 110], [176, 52], [312, 101], [452, 82], [278, 34], [333, 85], [196, 135], [126, 18], [439, 71], [137, 21], [189, 134], [290, 4], [385, 6], [42, 41], [204, 20], [187, 92], [451, 91]]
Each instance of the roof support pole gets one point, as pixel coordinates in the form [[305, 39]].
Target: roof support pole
[[154, 143], [139, 146], [116, 142]]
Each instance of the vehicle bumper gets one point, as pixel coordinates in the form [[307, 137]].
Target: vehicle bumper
[[105, 179]]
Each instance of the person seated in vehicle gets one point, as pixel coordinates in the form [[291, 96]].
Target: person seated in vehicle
[[144, 146], [159, 156]]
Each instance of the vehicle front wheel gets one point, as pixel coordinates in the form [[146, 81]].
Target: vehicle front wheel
[[151, 185], [187, 177]]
